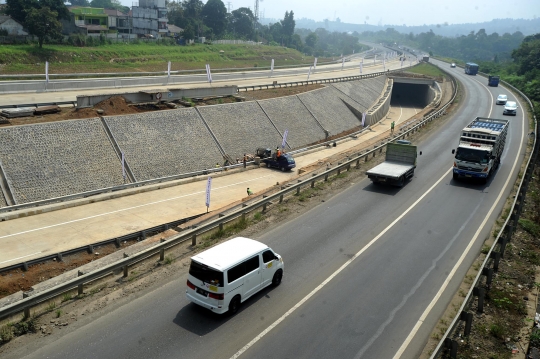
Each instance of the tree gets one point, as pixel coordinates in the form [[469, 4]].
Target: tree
[[311, 39], [214, 15], [43, 23], [528, 55], [189, 32], [288, 24], [242, 22], [17, 9], [175, 14], [192, 9]]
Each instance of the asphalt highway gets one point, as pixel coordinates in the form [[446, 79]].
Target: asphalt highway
[[367, 272]]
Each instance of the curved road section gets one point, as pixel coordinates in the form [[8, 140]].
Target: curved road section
[[368, 272]]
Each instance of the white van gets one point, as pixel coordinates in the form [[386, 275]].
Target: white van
[[223, 276]]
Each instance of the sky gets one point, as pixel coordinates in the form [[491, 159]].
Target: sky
[[393, 12]]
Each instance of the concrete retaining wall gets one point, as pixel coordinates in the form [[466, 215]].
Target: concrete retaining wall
[[327, 107], [288, 113], [381, 108], [165, 143], [241, 127], [56, 159]]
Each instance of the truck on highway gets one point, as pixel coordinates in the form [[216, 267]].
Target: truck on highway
[[398, 166], [471, 68], [493, 80], [425, 58], [481, 144]]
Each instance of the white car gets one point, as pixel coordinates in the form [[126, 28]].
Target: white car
[[452, 65], [510, 108], [501, 99]]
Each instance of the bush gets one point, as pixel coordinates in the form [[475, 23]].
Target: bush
[[530, 227]]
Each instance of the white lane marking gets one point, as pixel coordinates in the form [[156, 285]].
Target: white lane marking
[[424, 315], [128, 208], [14, 259], [345, 265], [417, 285]]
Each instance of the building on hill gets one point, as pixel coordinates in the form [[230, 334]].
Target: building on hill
[[118, 21], [11, 26], [91, 20], [174, 31], [150, 18]]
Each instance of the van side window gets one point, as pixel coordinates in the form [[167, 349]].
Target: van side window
[[268, 256], [252, 264], [236, 272]]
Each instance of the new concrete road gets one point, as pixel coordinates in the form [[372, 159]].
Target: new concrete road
[[52, 232], [367, 272]]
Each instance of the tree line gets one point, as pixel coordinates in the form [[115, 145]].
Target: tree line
[[212, 21], [476, 46]]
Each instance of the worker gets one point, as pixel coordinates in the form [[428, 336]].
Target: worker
[[392, 127], [249, 192], [217, 165], [278, 152]]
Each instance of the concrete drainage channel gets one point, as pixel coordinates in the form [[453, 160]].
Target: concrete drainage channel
[[32, 300]]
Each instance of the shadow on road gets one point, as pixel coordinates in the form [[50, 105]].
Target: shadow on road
[[201, 321], [388, 190]]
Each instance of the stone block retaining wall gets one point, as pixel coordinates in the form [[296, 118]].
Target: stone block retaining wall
[[57, 159], [288, 113], [165, 143], [241, 127]]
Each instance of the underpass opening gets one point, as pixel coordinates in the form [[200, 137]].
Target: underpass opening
[[411, 95]]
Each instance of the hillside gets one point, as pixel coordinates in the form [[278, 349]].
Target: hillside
[[142, 57]]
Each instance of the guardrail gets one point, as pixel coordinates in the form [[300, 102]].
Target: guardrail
[[312, 82], [30, 300], [449, 344]]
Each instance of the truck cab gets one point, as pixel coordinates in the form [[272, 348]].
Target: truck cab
[[284, 162]]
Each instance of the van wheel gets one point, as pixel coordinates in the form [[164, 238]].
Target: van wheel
[[276, 280], [282, 169], [455, 176], [268, 165], [234, 305]]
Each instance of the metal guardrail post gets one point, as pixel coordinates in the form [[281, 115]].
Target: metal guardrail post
[[467, 317], [452, 345], [194, 239], [496, 258], [80, 287]]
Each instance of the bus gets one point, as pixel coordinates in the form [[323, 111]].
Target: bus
[[471, 68]]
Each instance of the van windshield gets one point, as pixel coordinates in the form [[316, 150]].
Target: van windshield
[[206, 274]]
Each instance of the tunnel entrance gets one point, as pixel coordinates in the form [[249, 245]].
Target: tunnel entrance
[[411, 95]]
